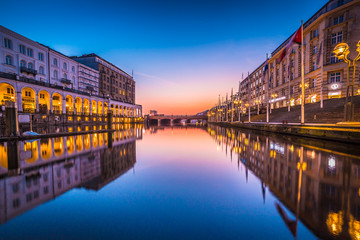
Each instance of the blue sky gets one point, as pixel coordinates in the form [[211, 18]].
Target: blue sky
[[183, 53]]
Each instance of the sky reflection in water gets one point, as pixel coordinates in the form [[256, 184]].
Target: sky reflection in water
[[183, 183]]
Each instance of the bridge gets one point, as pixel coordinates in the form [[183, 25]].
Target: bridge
[[175, 119]]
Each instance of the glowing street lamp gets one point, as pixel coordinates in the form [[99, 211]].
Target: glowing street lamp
[[341, 52]]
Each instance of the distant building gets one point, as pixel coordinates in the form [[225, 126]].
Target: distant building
[[153, 113], [325, 76], [113, 81]]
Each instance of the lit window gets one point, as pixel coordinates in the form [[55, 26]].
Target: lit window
[[22, 49], [30, 52], [8, 60], [8, 43]]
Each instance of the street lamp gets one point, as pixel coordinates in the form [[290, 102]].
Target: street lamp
[[342, 51]]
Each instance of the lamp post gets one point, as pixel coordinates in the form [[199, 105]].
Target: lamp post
[[342, 51]]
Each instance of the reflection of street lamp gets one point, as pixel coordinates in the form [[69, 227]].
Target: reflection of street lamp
[[342, 51]]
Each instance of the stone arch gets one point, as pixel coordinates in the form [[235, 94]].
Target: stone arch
[[86, 106], [93, 107], [57, 103], [28, 99], [44, 101], [58, 146], [125, 113], [7, 93], [106, 107], [121, 108], [116, 110], [70, 144], [100, 108], [78, 105], [45, 148], [69, 104]]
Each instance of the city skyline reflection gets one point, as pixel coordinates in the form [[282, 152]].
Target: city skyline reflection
[[318, 186], [34, 172]]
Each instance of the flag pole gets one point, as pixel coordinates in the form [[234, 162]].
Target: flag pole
[[289, 105], [267, 91], [249, 96], [302, 76]]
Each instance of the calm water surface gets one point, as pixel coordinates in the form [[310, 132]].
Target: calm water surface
[[179, 183]]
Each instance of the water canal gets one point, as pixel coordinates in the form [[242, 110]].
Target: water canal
[[179, 183]]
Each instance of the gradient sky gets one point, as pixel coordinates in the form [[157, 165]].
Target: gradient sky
[[183, 53]]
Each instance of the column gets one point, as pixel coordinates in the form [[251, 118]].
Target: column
[[37, 102], [19, 101], [63, 105]]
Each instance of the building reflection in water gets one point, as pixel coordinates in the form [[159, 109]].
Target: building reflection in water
[[319, 186], [33, 172]]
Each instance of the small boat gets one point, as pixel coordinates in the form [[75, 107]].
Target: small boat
[[30, 133]]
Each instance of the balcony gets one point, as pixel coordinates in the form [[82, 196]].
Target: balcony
[[8, 75], [28, 70], [65, 81], [90, 88]]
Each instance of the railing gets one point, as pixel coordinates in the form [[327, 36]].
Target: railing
[[57, 112], [8, 75], [28, 70], [66, 81]]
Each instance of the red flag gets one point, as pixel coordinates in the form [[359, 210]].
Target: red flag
[[296, 38]]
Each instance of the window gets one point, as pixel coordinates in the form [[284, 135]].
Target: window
[[22, 49], [16, 203], [10, 90], [65, 75], [41, 70], [336, 38], [8, 60], [8, 43], [27, 94], [55, 62], [64, 66], [312, 83], [314, 66], [30, 65], [55, 74], [41, 56], [314, 33], [22, 63], [73, 69], [30, 52], [333, 59], [335, 77], [338, 19], [315, 49]]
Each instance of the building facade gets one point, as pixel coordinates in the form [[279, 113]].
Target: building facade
[[43, 81], [325, 76], [113, 82]]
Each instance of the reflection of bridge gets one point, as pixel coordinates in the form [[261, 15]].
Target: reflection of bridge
[[175, 119]]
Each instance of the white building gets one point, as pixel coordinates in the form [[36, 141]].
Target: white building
[[22, 56], [88, 79], [63, 70]]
